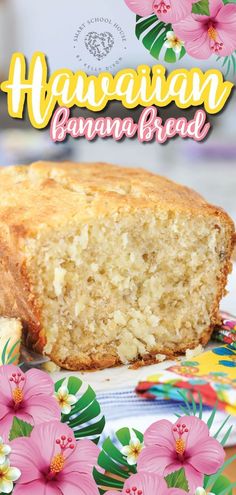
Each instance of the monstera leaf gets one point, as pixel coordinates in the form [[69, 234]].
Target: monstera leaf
[[152, 33], [85, 417], [114, 466]]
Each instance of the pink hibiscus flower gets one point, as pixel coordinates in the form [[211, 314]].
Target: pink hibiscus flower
[[28, 396], [166, 10], [186, 444], [52, 463], [204, 36], [146, 484]]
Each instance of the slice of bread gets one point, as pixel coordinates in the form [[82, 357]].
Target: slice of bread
[[108, 265], [10, 339]]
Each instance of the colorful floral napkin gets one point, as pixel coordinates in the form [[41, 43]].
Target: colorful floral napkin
[[212, 374], [227, 331]]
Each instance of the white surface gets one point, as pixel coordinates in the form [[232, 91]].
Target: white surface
[[121, 377], [50, 27], [229, 302]]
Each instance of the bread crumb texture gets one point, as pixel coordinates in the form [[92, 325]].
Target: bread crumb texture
[[108, 265], [191, 353]]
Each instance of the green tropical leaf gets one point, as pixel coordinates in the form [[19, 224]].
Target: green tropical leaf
[[85, 418], [20, 429], [212, 417], [200, 406], [221, 485], [4, 352], [210, 480], [7, 356], [229, 63], [201, 8], [152, 33], [114, 466], [226, 436], [177, 480], [222, 426]]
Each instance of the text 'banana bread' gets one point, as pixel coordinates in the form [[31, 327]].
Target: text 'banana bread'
[[107, 265]]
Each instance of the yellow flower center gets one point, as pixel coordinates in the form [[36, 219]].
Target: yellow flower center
[[135, 450], [57, 464], [175, 40], [180, 446], [17, 395], [212, 33], [63, 400]]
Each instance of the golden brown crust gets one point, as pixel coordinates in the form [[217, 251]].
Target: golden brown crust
[[106, 360], [54, 187], [28, 194]]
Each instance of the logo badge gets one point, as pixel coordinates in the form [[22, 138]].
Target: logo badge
[[100, 44]]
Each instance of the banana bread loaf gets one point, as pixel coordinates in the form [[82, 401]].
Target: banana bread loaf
[[107, 265]]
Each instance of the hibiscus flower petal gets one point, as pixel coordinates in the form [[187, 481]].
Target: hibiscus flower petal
[[37, 487], [4, 410], [179, 9], [37, 383], [140, 7], [79, 483], [195, 37], [155, 459], [176, 491], [6, 422], [175, 466], [27, 458], [226, 14], [229, 42], [199, 49], [52, 489], [161, 434], [5, 425], [45, 435], [6, 372], [189, 29], [215, 6], [225, 26], [42, 408], [197, 432], [83, 458], [193, 477], [207, 457], [148, 483], [24, 416]]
